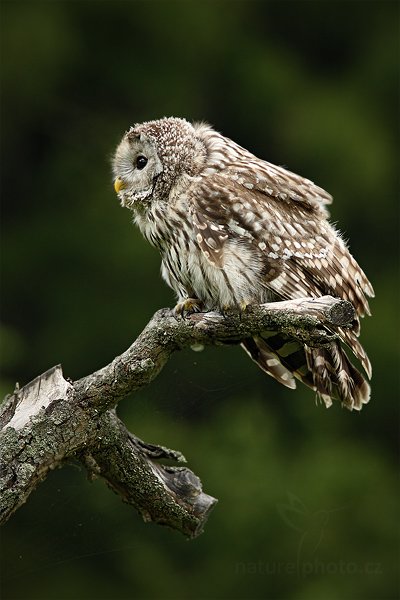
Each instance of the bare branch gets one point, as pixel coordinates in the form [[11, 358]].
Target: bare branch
[[51, 419]]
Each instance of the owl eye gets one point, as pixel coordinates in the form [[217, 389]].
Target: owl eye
[[141, 162]]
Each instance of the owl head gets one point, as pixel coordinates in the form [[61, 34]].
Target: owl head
[[153, 157]]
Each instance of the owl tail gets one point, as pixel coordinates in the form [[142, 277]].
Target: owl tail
[[326, 370]]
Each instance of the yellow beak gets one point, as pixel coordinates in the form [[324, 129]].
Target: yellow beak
[[118, 185]]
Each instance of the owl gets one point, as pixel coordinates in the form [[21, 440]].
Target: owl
[[234, 230]]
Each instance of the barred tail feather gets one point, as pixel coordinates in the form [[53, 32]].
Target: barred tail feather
[[268, 361], [350, 337], [281, 357], [336, 377], [327, 370]]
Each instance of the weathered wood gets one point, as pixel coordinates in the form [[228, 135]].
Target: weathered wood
[[51, 419]]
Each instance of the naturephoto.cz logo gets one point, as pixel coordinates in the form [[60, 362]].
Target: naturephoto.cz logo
[[307, 568], [310, 527]]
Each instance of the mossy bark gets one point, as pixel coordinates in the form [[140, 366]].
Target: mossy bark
[[50, 419]]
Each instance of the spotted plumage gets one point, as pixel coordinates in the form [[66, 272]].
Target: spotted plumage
[[234, 230]]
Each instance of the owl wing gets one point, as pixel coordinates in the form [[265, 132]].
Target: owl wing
[[288, 227], [277, 182], [285, 220]]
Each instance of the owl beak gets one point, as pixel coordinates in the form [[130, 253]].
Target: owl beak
[[118, 185]]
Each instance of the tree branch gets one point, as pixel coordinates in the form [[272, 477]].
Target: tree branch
[[50, 419]]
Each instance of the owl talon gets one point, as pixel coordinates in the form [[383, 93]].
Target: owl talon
[[188, 306], [232, 310], [245, 306]]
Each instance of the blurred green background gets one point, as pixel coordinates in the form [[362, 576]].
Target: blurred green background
[[307, 496]]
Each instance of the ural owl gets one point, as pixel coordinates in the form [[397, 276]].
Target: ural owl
[[234, 230]]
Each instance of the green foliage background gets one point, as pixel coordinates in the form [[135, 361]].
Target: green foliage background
[[307, 497]]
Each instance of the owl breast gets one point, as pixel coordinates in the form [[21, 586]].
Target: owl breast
[[231, 279], [234, 283]]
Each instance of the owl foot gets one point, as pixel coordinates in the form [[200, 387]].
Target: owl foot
[[236, 309], [188, 306], [245, 306]]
